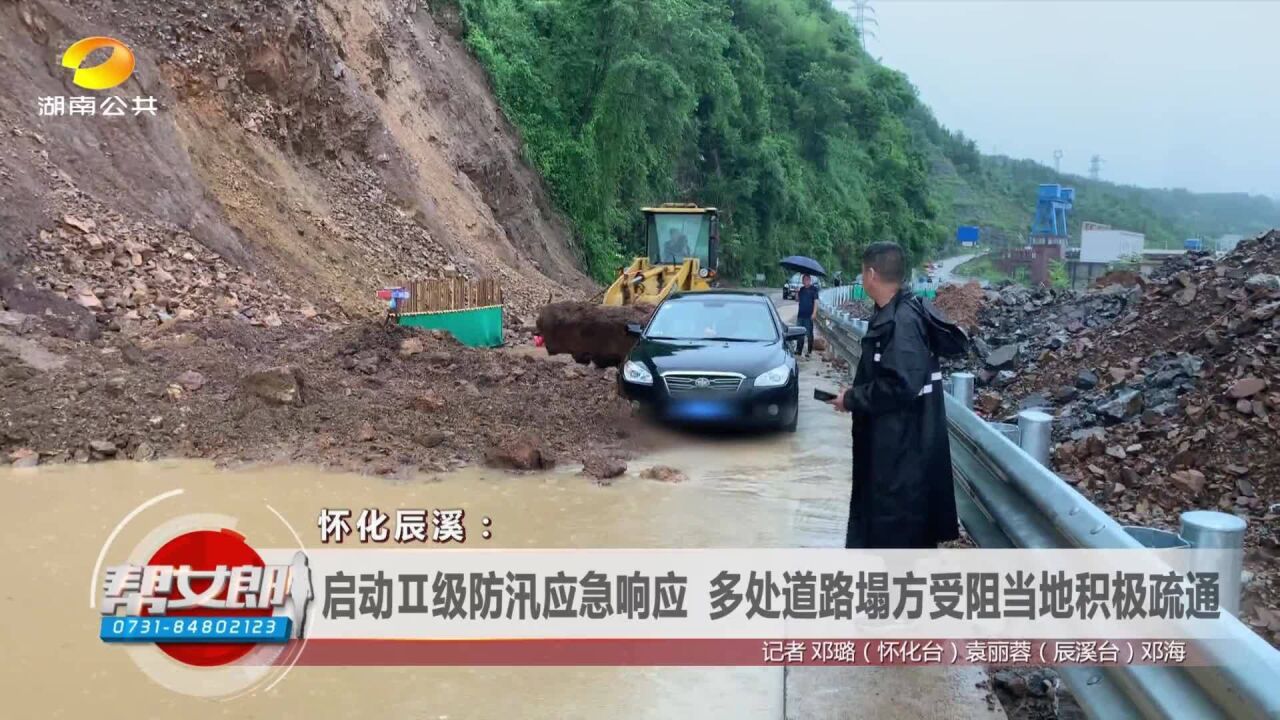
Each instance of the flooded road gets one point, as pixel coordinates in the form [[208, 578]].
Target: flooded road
[[773, 490]]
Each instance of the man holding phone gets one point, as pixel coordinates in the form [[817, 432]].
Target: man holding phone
[[902, 485]]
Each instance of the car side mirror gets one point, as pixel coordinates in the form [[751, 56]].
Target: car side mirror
[[795, 332], [635, 329]]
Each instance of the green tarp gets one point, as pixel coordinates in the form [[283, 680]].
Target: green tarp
[[477, 327]]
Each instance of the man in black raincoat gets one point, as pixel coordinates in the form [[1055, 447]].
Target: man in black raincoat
[[902, 491]]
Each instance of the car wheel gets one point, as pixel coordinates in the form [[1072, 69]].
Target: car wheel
[[795, 417]]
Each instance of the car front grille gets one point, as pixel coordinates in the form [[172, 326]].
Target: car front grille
[[702, 382]]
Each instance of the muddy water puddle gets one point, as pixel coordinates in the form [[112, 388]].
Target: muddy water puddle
[[742, 491]]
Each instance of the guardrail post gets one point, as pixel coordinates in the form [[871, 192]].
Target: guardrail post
[[962, 388], [1035, 434], [1224, 535]]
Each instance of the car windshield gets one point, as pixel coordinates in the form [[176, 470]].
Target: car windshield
[[713, 318]]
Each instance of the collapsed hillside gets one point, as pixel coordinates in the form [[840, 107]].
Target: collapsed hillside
[[321, 149], [200, 282], [1166, 392]]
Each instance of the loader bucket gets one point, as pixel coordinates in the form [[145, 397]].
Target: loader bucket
[[590, 332]]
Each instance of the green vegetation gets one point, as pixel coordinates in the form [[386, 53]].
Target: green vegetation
[[980, 268], [769, 110], [1058, 275]]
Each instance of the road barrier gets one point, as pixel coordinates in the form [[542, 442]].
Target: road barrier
[[1007, 497]]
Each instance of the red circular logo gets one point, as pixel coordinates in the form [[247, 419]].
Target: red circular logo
[[206, 550]]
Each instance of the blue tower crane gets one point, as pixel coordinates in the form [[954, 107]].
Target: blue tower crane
[[1050, 222], [1049, 229]]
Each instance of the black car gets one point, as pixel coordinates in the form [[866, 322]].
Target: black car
[[720, 356], [792, 286]]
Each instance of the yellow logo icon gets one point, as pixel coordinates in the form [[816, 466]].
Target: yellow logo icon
[[116, 69]]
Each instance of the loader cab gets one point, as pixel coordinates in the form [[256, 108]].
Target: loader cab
[[676, 232]]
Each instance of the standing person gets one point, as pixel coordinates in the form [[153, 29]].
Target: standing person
[[902, 486], [807, 296]]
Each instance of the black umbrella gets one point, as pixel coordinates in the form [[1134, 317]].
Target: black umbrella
[[802, 264]]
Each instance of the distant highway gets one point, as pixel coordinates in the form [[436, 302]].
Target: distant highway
[[946, 272]]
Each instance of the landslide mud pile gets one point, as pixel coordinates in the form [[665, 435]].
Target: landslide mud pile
[[1166, 394], [364, 397], [961, 303]]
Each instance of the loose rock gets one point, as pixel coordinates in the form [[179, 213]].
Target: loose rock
[[279, 386], [603, 467], [663, 473]]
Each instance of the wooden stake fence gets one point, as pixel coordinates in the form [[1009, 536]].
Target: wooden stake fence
[[450, 293]]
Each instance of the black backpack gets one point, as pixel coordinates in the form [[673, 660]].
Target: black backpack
[[946, 338]]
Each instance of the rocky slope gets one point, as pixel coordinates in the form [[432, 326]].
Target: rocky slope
[[319, 150], [201, 282]]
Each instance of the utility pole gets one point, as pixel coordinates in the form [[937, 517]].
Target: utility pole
[[1057, 161], [1095, 166]]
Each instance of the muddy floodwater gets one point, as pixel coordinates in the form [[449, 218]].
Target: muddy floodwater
[[772, 490]]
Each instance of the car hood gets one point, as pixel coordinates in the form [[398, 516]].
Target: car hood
[[749, 358]]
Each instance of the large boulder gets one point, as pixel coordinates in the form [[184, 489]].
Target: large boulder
[[277, 386], [1086, 379], [523, 453], [1125, 405], [603, 467], [1002, 356]]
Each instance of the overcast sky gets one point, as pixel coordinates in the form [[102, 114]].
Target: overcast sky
[[1171, 93]]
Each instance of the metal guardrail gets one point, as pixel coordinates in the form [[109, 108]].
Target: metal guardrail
[[1008, 498]]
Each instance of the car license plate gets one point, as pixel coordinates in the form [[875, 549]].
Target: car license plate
[[702, 410]]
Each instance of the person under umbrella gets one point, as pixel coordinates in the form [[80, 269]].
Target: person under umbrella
[[807, 297]]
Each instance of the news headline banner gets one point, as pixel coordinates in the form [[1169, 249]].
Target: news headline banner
[[751, 594]]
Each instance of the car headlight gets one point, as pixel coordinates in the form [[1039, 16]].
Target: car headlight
[[776, 377], [635, 373]]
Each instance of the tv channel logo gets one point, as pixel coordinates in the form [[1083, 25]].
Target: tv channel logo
[[109, 73], [206, 599]]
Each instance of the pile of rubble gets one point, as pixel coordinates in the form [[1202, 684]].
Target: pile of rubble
[[1166, 395], [133, 275], [363, 397], [961, 303], [1019, 326]]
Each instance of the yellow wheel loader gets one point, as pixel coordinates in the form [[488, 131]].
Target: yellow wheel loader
[[683, 242]]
